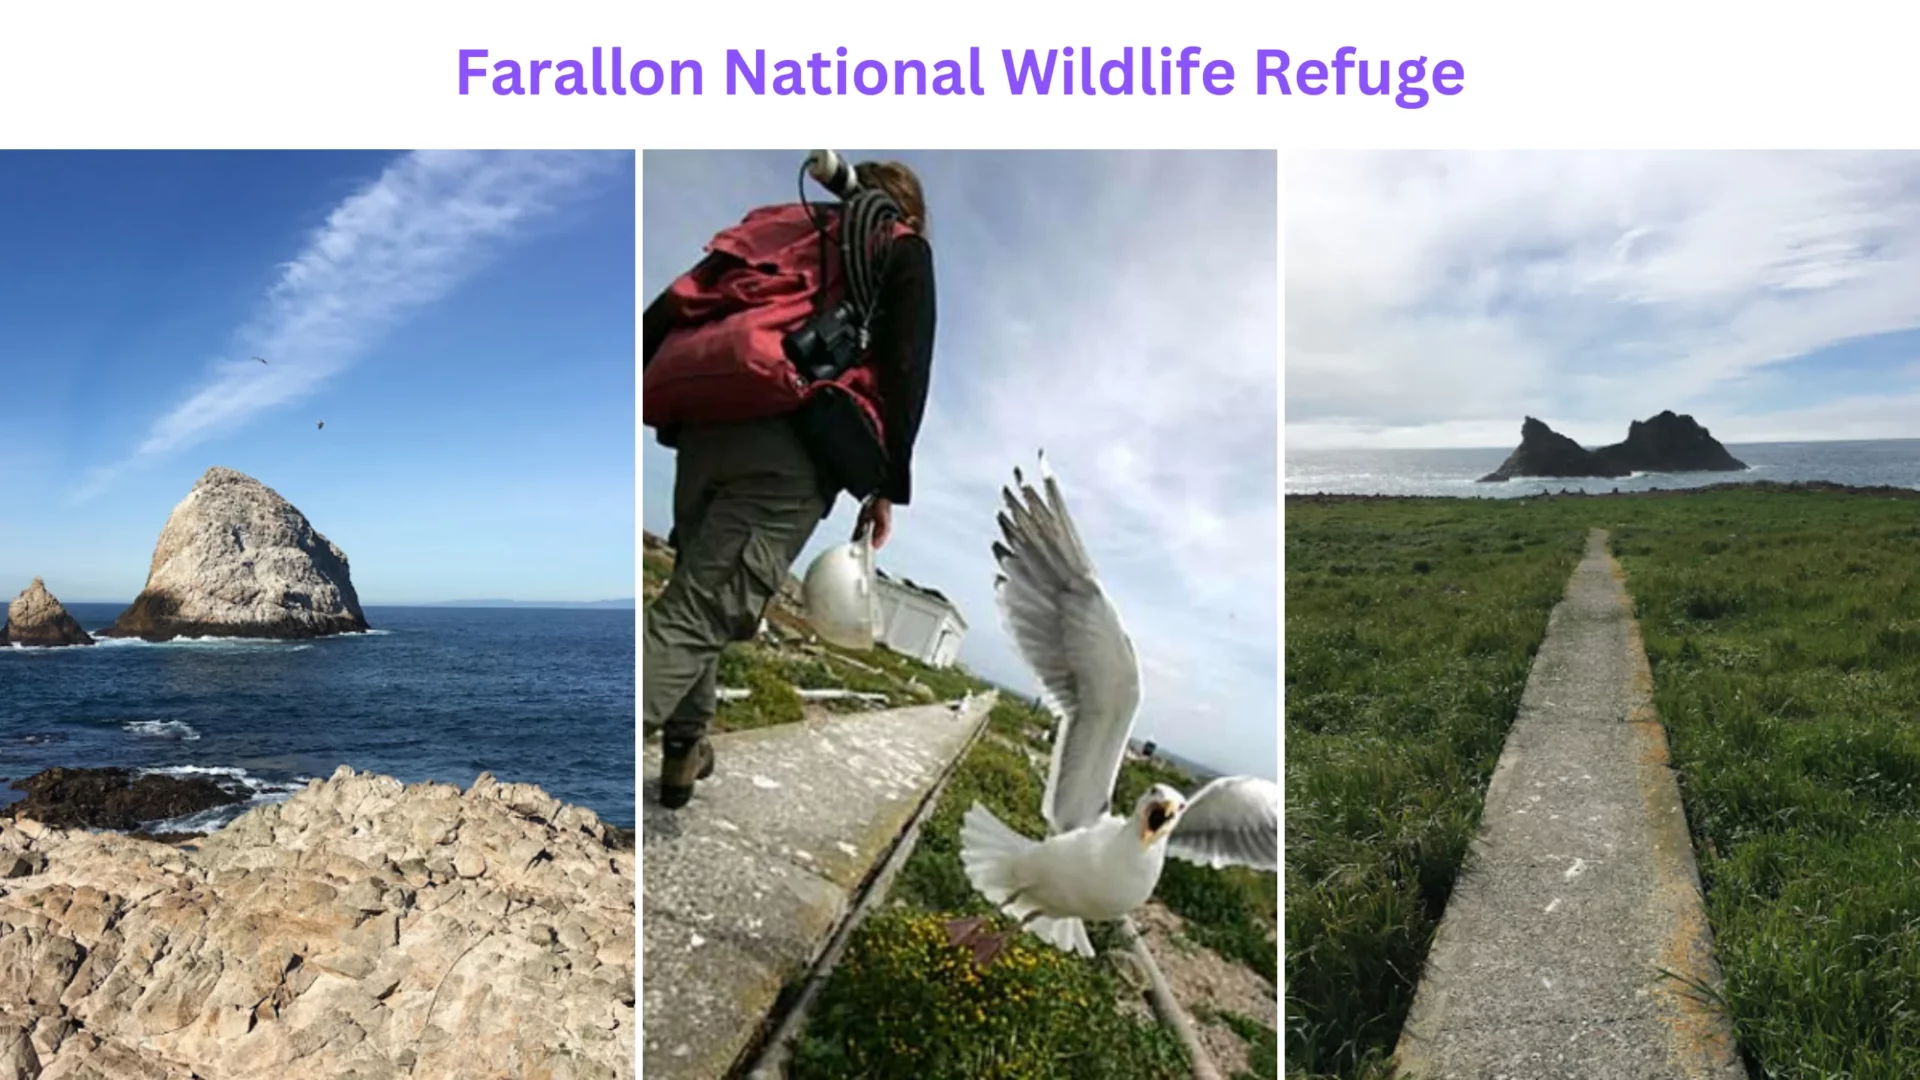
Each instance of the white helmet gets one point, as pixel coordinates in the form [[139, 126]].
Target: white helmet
[[840, 595]]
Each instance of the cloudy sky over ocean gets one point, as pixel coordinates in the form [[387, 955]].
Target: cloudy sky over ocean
[[1436, 298]]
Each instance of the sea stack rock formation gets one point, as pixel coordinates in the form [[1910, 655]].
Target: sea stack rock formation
[[1545, 452], [360, 929], [35, 618], [237, 560], [1663, 443], [1670, 443]]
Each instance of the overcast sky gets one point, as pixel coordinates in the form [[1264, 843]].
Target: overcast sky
[[1436, 298], [1118, 310]]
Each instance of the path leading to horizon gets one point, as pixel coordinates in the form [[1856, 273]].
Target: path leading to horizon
[[1581, 893], [746, 885]]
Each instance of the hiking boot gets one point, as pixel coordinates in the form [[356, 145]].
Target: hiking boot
[[682, 762]]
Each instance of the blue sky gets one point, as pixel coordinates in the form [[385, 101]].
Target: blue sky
[[1120, 311], [462, 323], [1436, 298]]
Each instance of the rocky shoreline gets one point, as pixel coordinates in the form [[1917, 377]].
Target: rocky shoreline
[[363, 928], [117, 799]]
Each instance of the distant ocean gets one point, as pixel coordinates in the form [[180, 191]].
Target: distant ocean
[[1887, 462], [544, 696]]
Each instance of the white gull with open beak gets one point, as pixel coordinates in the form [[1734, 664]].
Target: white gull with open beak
[[1092, 865]]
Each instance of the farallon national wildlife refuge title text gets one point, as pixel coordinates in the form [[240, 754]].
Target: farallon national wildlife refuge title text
[[1147, 70]]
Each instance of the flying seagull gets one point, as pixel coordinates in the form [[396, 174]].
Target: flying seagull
[[1092, 864], [262, 359]]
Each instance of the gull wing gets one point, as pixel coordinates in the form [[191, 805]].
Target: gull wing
[[1069, 633], [1234, 821]]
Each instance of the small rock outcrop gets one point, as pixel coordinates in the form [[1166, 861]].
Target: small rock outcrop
[[115, 798], [1545, 452], [361, 929], [36, 619], [237, 560], [1664, 443]]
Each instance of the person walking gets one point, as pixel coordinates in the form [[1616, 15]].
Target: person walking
[[765, 444]]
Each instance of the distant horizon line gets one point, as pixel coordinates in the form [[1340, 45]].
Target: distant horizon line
[[1723, 442], [618, 603]]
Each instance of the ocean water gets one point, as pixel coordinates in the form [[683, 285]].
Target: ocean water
[[544, 696], [1886, 462]]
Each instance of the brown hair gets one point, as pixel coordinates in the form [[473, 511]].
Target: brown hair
[[900, 182]]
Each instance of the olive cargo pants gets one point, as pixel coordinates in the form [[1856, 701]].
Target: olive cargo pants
[[746, 498]]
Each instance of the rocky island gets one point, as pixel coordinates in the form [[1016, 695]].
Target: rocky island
[[37, 620], [1664, 443], [361, 929], [237, 560]]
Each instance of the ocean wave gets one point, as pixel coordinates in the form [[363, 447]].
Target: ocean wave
[[162, 729], [15, 647], [42, 738], [205, 643], [259, 792]]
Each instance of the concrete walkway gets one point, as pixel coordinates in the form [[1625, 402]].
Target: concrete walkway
[[1582, 886], [745, 885]]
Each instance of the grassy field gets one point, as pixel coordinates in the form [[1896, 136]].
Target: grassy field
[[1410, 630], [1784, 632]]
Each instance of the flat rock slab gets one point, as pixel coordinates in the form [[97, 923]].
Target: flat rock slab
[[745, 885], [1574, 932]]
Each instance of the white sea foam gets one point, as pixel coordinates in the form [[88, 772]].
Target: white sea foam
[[204, 643], [259, 792], [162, 729]]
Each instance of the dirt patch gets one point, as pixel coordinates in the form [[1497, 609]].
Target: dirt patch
[[1207, 984]]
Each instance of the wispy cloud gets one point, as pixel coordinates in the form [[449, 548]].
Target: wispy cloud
[[1435, 298], [1119, 312], [429, 222]]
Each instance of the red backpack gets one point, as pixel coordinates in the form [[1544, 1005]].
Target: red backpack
[[725, 360]]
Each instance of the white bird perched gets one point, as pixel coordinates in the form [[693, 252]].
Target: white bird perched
[[1092, 865]]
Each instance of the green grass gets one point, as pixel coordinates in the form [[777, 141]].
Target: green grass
[[1411, 627], [906, 1003], [1784, 634], [1263, 1047], [1783, 629]]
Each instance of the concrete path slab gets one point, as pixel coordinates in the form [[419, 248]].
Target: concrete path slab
[[745, 885], [1581, 893]]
